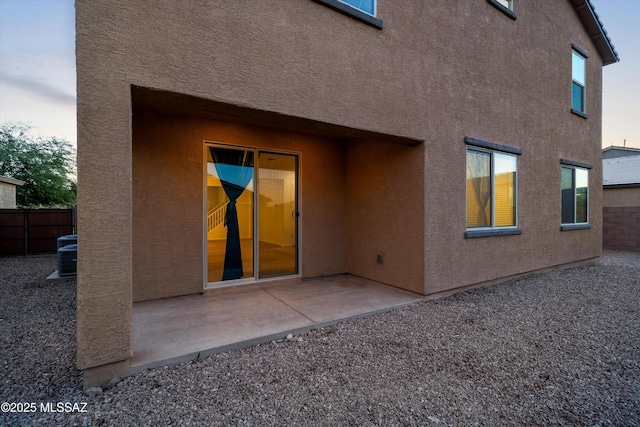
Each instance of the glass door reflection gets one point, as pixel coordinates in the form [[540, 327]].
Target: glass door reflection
[[230, 209], [277, 214]]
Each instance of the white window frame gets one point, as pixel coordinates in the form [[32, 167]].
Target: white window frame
[[375, 7], [491, 148], [506, 3], [575, 54], [504, 6], [574, 169], [493, 190]]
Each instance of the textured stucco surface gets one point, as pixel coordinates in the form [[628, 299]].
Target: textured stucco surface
[[618, 197], [516, 78], [168, 198], [386, 212], [7, 196], [104, 191], [167, 208], [356, 199], [440, 73]]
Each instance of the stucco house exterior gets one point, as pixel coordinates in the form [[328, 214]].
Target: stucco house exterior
[[431, 146], [8, 188]]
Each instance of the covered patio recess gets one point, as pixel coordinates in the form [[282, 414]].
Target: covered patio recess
[[248, 224], [177, 329]]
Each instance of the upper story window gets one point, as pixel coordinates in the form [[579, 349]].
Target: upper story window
[[506, 3], [367, 6], [578, 77], [504, 6], [578, 80], [361, 10]]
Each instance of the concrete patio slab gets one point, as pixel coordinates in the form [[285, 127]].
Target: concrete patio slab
[[176, 329], [340, 297]]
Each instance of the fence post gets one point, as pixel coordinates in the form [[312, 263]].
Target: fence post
[[26, 232]]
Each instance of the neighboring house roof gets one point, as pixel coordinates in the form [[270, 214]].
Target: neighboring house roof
[[621, 171], [596, 31], [11, 181], [616, 151]]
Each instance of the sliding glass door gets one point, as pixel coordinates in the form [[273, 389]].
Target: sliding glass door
[[277, 214], [252, 214], [230, 213]]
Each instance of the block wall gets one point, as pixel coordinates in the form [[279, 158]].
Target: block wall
[[621, 228]]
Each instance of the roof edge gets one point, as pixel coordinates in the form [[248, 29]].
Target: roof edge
[[8, 180], [595, 28], [625, 185], [618, 147]]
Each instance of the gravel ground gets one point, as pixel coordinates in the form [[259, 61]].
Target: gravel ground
[[556, 348]]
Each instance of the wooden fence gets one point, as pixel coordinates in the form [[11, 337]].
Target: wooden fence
[[30, 231]]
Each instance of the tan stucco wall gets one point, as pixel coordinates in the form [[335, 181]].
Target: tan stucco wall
[[437, 73], [168, 185], [167, 208], [365, 191], [7, 196], [618, 197], [104, 309], [386, 213], [515, 79]]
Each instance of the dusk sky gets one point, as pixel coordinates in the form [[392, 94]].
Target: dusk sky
[[37, 68]]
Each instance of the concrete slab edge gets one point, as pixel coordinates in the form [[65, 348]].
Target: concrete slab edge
[[184, 358]]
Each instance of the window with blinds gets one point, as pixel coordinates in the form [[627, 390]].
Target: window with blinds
[[491, 189]]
